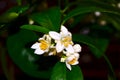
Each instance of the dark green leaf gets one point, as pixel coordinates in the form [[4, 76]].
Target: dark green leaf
[[97, 46], [88, 6], [12, 13], [19, 2], [49, 19], [18, 9], [101, 45], [20, 52], [59, 72], [75, 73], [35, 28], [7, 17], [114, 20]]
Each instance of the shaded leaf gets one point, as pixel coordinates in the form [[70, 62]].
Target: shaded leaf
[[88, 6], [7, 17], [20, 52], [59, 72], [18, 9], [12, 13], [49, 19], [35, 28], [19, 2], [97, 46], [75, 73]]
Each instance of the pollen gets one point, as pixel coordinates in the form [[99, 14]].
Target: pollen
[[66, 41], [72, 61], [43, 45]]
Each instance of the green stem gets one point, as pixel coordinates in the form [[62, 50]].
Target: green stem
[[110, 68]]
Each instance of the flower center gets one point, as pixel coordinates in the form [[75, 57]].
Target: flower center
[[72, 61], [66, 41], [43, 45]]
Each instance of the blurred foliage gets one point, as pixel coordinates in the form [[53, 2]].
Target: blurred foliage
[[79, 15]]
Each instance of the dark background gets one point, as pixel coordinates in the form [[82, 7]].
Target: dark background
[[92, 68]]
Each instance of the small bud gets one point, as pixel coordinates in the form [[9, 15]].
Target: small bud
[[97, 13]]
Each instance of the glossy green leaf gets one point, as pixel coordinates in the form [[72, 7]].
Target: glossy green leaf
[[75, 73], [49, 19], [97, 46], [59, 72], [23, 56], [35, 28]]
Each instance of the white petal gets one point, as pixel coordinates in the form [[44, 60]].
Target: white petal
[[54, 35], [77, 55], [59, 47], [77, 48], [75, 63], [70, 49], [50, 54], [68, 66], [35, 46], [71, 57], [64, 30], [38, 51]]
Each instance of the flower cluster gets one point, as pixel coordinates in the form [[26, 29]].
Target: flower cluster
[[59, 44]]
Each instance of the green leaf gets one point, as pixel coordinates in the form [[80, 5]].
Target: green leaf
[[49, 19], [97, 46], [19, 2], [7, 17], [18, 9], [19, 50], [88, 6], [12, 13], [35, 28], [75, 73], [101, 45], [59, 72], [114, 20]]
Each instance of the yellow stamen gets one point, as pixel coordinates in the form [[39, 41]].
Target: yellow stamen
[[72, 61], [43, 45], [66, 41]]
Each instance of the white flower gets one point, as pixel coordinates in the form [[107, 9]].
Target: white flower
[[43, 45], [71, 57], [77, 48], [72, 50], [63, 39], [97, 13], [72, 60], [52, 51]]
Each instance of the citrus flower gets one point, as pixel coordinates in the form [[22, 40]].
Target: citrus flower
[[63, 39], [72, 60], [52, 51], [77, 48], [42, 45], [74, 49]]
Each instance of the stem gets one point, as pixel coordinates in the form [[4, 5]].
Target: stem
[[111, 71]]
